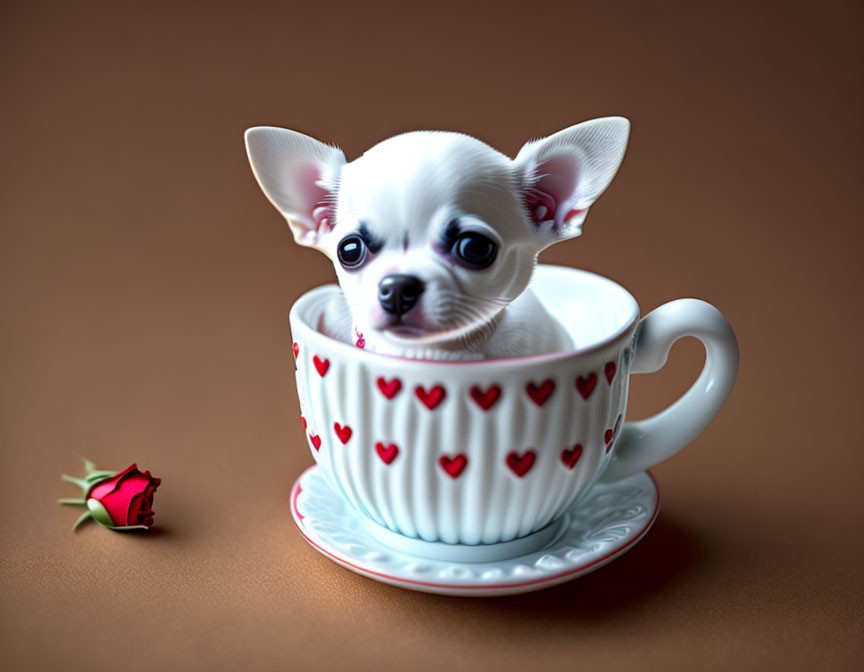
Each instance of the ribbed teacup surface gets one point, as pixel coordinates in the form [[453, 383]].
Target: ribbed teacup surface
[[469, 453]]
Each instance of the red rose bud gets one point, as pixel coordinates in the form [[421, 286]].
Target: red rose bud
[[121, 501], [126, 497]]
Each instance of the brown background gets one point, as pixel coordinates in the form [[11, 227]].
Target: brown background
[[146, 284]]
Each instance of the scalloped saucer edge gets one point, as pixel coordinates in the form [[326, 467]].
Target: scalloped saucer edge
[[603, 525]]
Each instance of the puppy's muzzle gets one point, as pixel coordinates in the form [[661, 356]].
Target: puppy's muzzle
[[399, 293]]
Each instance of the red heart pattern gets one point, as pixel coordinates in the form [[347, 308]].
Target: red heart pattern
[[343, 432], [430, 398], [540, 394], [521, 464], [570, 456], [389, 388], [487, 399], [610, 435], [454, 466], [296, 348], [586, 385], [321, 365], [387, 453]]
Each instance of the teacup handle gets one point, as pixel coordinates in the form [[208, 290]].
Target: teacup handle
[[644, 443]]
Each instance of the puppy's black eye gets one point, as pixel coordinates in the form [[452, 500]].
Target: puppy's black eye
[[474, 250], [352, 251]]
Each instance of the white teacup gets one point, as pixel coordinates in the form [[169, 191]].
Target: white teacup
[[493, 451]]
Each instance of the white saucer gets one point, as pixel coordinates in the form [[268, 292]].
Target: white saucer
[[604, 524]]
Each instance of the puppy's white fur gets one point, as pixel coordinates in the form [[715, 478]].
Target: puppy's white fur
[[405, 192]]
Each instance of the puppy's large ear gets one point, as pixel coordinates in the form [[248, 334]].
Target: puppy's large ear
[[562, 175], [299, 175]]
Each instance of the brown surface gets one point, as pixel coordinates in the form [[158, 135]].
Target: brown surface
[[146, 283]]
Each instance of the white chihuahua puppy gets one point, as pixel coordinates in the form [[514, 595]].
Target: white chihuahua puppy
[[435, 235]]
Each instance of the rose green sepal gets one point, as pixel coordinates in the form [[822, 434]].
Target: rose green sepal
[[93, 471], [84, 516], [72, 502], [128, 528], [94, 477], [100, 515], [80, 482]]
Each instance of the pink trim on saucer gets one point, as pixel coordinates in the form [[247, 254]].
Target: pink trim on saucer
[[299, 517]]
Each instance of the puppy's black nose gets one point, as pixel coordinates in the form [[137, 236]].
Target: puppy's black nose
[[398, 293]]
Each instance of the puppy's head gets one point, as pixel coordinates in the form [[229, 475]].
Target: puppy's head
[[433, 233]]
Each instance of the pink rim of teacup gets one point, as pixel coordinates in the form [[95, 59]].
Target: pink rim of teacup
[[307, 333]]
